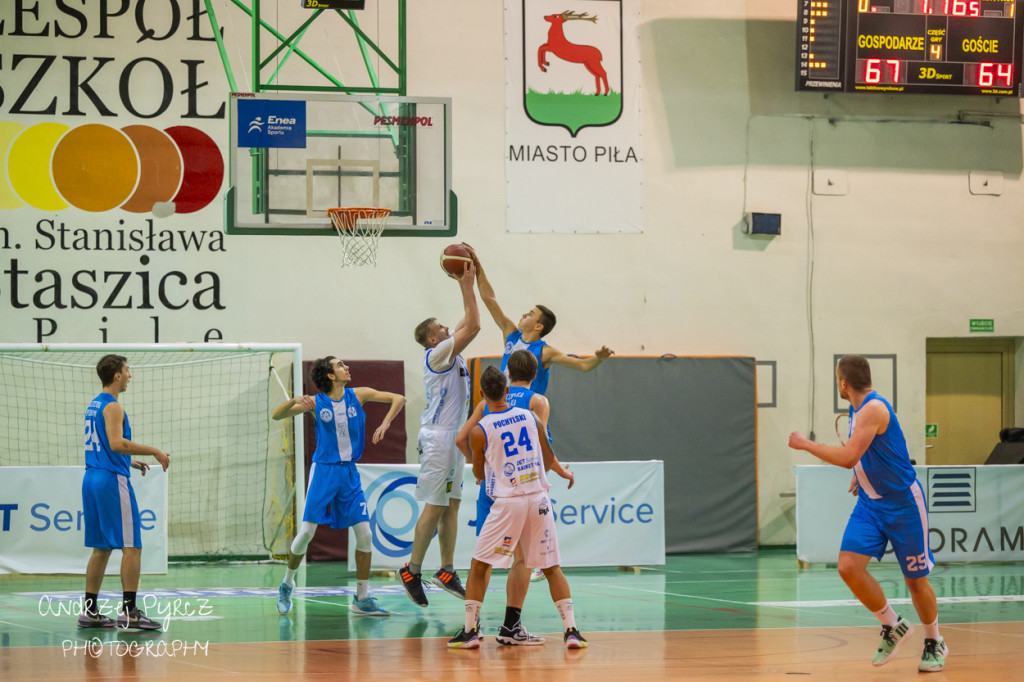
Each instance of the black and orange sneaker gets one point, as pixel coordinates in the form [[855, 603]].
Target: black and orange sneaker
[[449, 582], [413, 585]]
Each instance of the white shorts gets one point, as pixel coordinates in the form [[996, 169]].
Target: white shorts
[[441, 467], [525, 519]]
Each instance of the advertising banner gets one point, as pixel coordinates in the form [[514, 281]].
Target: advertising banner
[[613, 516], [42, 523], [974, 513]]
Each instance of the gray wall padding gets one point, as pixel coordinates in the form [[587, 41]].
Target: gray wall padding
[[698, 415]]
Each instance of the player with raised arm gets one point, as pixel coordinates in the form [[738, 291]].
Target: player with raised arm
[[890, 509], [522, 368], [529, 332], [335, 492], [439, 483], [510, 441], [108, 500]]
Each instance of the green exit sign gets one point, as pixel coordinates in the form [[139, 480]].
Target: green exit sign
[[982, 325], [931, 430]]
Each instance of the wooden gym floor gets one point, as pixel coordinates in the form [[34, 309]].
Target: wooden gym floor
[[710, 617]]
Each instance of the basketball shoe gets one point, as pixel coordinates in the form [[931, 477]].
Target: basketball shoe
[[449, 582], [136, 620], [367, 607], [98, 621], [413, 585], [574, 640], [892, 638], [518, 636], [284, 598], [934, 657], [465, 640], [536, 575]]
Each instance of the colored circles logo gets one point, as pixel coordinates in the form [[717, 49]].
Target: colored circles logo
[[393, 513], [95, 168]]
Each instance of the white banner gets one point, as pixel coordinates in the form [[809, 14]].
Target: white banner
[[613, 516], [974, 513], [42, 527], [572, 99]]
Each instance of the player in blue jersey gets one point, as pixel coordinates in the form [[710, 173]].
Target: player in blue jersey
[[529, 332], [335, 492], [522, 368], [108, 500], [890, 509]]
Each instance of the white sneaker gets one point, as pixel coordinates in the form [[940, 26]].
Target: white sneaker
[[536, 575], [517, 636]]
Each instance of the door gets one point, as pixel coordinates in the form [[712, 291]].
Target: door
[[968, 398]]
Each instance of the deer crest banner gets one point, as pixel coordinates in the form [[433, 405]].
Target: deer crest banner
[[572, 88]]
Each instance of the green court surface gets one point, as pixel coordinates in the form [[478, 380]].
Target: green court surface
[[203, 604]]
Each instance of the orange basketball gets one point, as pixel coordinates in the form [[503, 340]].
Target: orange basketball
[[455, 259]]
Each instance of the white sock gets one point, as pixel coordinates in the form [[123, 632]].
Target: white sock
[[289, 576], [887, 616], [565, 611], [472, 613], [931, 630], [362, 589]]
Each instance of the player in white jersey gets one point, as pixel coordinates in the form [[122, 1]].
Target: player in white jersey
[[512, 442], [335, 492], [522, 369], [890, 509], [439, 484], [109, 508]]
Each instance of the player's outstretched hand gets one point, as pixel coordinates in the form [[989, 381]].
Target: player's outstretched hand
[[141, 466], [472, 254], [163, 458], [570, 476], [604, 352], [468, 275], [797, 441]]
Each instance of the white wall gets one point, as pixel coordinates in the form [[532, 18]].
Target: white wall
[[908, 253]]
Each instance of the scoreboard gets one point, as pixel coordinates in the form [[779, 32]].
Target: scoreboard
[[947, 47]]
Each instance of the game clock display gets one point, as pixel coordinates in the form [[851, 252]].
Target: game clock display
[[946, 47]]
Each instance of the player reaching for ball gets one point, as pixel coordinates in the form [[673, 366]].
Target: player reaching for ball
[[528, 334], [439, 483], [335, 493]]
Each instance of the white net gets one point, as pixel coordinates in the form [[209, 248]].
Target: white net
[[359, 230], [232, 467]]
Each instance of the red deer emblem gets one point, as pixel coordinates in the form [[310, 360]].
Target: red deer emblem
[[587, 55]]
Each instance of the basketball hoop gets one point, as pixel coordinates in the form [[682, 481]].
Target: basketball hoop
[[359, 230]]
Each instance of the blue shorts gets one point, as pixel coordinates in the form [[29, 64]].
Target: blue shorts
[[484, 502], [335, 496], [110, 510], [873, 525]]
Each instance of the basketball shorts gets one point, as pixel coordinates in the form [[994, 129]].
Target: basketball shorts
[[874, 525], [525, 519], [484, 502], [335, 496], [442, 466], [110, 512]]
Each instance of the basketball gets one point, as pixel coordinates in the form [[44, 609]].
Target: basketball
[[454, 259]]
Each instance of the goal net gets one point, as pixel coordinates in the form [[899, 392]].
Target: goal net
[[232, 478]]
